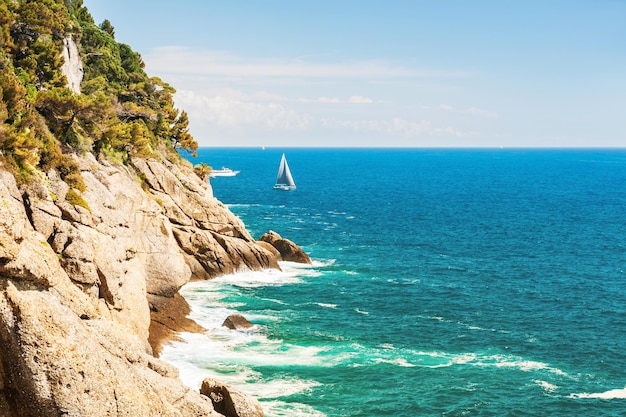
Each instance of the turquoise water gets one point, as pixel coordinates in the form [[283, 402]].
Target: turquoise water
[[445, 283]]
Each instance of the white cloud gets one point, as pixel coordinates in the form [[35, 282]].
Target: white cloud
[[472, 111], [242, 112], [236, 100], [336, 100], [398, 126], [183, 60], [480, 112], [231, 112], [360, 100]]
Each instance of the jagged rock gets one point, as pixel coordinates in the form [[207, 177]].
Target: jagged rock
[[237, 322], [78, 281], [61, 353], [188, 201], [82, 367], [213, 240], [269, 247], [210, 254], [229, 401], [288, 250], [169, 317]]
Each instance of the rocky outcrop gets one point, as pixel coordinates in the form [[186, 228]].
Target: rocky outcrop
[[213, 241], [87, 279], [237, 322], [169, 316], [64, 348], [288, 250], [229, 401], [72, 66]]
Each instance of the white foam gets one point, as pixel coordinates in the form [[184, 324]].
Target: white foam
[[446, 359], [548, 387], [322, 263], [326, 305], [300, 269], [274, 301], [607, 395], [252, 279], [231, 355], [506, 361], [397, 361], [283, 409], [222, 346], [281, 387], [361, 311]]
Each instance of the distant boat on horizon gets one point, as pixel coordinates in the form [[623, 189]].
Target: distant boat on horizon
[[284, 180], [224, 172]]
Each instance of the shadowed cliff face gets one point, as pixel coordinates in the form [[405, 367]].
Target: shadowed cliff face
[[78, 279]]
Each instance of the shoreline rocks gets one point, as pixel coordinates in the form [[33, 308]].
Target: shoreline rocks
[[89, 290], [287, 249], [229, 401], [237, 322]]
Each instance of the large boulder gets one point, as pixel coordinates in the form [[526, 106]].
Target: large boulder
[[288, 250], [229, 401], [237, 322]]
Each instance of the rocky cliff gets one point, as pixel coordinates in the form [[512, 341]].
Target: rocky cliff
[[86, 279]]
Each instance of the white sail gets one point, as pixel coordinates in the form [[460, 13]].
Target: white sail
[[284, 180]]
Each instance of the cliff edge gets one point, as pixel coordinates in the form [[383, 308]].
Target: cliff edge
[[85, 278]]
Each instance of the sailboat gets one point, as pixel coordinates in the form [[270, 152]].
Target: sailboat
[[284, 180]]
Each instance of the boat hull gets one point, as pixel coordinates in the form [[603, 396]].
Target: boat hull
[[284, 187], [224, 172]]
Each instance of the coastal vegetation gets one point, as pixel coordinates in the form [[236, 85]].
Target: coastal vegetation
[[118, 113]]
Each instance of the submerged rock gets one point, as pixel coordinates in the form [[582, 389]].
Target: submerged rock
[[237, 322]]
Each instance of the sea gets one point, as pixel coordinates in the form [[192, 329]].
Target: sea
[[445, 282]]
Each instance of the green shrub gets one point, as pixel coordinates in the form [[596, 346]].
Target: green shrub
[[143, 181], [203, 171], [74, 198]]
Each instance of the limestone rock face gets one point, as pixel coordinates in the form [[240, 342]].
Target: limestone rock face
[[79, 278], [214, 241], [288, 250], [229, 401], [82, 366], [63, 351], [72, 66], [237, 322]]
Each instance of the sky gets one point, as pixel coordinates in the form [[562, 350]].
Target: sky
[[386, 73]]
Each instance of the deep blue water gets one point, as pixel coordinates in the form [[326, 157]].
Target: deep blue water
[[445, 282]]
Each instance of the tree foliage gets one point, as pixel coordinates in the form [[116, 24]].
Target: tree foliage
[[120, 113], [180, 136]]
